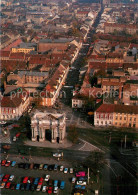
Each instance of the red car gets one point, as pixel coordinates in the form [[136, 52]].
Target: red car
[[5, 178], [40, 181], [25, 180], [50, 189], [18, 135], [3, 162], [8, 185], [7, 164]]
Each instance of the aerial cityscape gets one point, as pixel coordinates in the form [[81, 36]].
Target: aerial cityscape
[[69, 97]]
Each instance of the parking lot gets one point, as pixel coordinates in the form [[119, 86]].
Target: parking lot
[[20, 173]]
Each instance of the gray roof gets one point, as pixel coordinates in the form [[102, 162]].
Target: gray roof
[[60, 40], [21, 73]]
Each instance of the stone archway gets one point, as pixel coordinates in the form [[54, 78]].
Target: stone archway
[[48, 134]]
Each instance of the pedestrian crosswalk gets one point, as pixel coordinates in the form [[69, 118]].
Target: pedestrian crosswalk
[[5, 140]]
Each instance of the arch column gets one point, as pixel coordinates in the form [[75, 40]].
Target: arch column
[[53, 137], [34, 134], [41, 134]]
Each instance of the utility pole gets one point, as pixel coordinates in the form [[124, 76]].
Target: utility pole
[[125, 141], [88, 176]]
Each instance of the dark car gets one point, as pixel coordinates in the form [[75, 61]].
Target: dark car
[[27, 186], [13, 186], [26, 166], [55, 167], [22, 186], [50, 182], [33, 187], [36, 166], [30, 180], [50, 167], [21, 165]]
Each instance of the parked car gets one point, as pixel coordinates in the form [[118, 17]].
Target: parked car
[[31, 165], [33, 187], [22, 187], [40, 181], [13, 186], [21, 165], [62, 185], [13, 163], [50, 182], [71, 170], [44, 188], [36, 166], [7, 164], [55, 167], [73, 180], [25, 180], [45, 167], [41, 166], [55, 183], [66, 170], [26, 166], [57, 155], [80, 174], [36, 181], [55, 191], [38, 188], [18, 186], [1, 176], [50, 189], [82, 183], [27, 186], [11, 178], [3, 162], [47, 177], [7, 186], [6, 177], [30, 180], [14, 139], [50, 167], [2, 185], [61, 168]]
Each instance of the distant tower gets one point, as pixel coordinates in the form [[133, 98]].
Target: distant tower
[[106, 2]]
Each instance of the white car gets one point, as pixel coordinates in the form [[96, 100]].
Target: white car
[[55, 190], [44, 189], [11, 178], [61, 168], [71, 170], [14, 139], [3, 122], [66, 170], [73, 180], [82, 183], [57, 154], [47, 177]]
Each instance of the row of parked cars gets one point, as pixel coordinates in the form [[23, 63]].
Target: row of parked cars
[[30, 183], [45, 167], [8, 163], [80, 182]]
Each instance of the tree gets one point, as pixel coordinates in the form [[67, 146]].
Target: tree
[[73, 134]]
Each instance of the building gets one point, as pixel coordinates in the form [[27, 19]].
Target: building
[[60, 44], [24, 48], [54, 85], [112, 27], [78, 101], [12, 107], [48, 126], [116, 115]]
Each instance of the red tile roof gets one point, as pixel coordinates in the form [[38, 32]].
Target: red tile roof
[[110, 108], [13, 44], [9, 102]]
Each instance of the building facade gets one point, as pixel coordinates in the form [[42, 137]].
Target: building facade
[[116, 115], [48, 126]]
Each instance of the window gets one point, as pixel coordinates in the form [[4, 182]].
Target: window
[[102, 122], [106, 122], [134, 125], [130, 118], [124, 118], [97, 122], [121, 118], [115, 123], [116, 118], [134, 119]]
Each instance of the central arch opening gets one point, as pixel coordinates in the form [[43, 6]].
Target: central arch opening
[[48, 135]]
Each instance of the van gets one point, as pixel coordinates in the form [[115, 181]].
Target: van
[[62, 185]]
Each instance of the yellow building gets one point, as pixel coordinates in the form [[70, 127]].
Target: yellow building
[[23, 50]]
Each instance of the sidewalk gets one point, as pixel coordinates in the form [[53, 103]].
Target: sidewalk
[[48, 144]]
